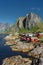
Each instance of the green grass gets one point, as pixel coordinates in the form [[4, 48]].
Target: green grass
[[23, 30], [32, 29]]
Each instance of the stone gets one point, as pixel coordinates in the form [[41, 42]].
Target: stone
[[41, 61], [23, 47], [17, 60], [36, 52]]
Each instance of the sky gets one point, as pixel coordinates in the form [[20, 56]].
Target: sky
[[10, 10]]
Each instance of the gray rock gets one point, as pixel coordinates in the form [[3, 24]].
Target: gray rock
[[41, 61], [36, 52], [28, 21]]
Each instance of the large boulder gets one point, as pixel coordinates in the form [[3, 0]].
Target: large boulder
[[36, 52], [17, 60], [22, 47]]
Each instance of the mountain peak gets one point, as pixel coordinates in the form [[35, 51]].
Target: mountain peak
[[4, 27], [30, 21]]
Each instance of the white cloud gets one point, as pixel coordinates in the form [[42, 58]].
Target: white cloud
[[38, 9]]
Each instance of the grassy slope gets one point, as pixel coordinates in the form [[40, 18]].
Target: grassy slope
[[38, 27]]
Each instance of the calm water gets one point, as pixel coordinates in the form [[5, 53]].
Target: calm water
[[5, 51]]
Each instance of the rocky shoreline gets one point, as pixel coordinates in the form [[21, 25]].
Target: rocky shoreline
[[33, 50], [17, 60]]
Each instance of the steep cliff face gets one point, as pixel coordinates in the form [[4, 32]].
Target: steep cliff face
[[20, 22], [28, 21]]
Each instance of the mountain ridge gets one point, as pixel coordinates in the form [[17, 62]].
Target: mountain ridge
[[4, 27], [31, 22]]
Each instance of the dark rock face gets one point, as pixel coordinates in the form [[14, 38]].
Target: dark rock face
[[41, 61], [28, 21], [20, 22]]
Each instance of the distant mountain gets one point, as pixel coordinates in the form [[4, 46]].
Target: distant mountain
[[4, 27], [29, 23]]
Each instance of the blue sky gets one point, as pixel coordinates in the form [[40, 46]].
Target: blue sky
[[10, 10]]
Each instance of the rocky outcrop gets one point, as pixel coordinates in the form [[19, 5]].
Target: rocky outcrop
[[17, 45], [35, 55], [22, 47], [20, 22], [36, 52], [30, 20], [17, 60]]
